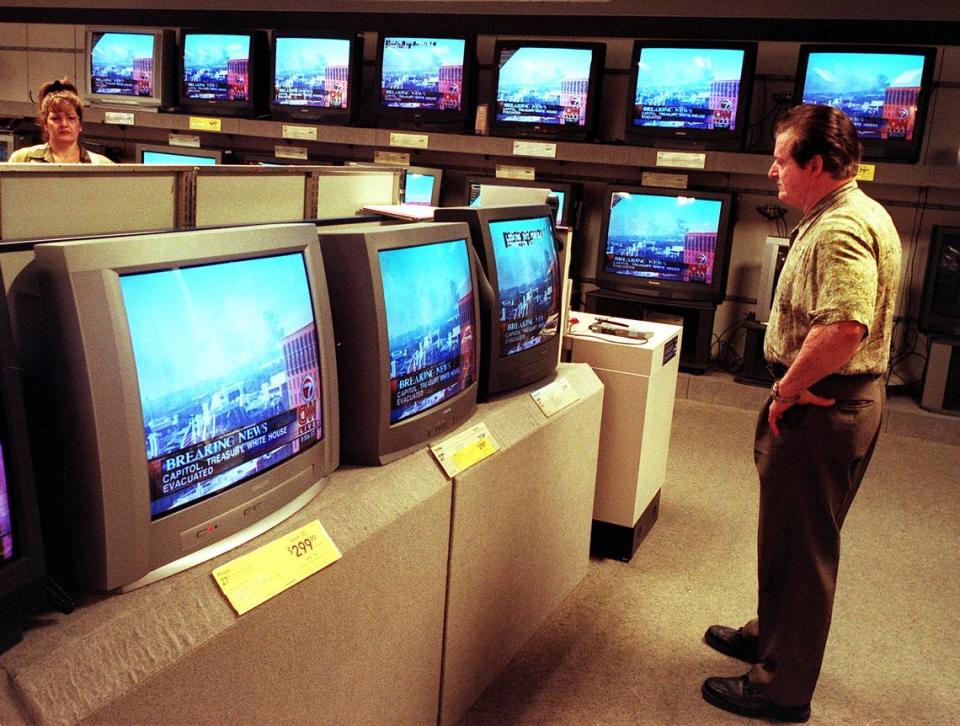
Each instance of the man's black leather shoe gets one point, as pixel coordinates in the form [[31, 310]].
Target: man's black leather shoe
[[732, 642], [736, 695]]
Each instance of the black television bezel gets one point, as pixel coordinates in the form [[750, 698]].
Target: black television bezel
[[259, 64], [671, 290], [706, 139], [880, 149], [319, 114], [500, 372], [23, 577], [549, 131], [928, 321], [569, 213], [428, 119]]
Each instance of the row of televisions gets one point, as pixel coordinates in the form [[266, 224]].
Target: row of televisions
[[682, 93]]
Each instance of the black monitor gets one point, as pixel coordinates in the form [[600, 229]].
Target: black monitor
[[520, 339], [666, 243], [315, 77], [425, 82], [690, 94], [547, 89], [884, 89], [22, 571], [163, 154], [940, 304], [568, 194], [223, 72], [129, 67]]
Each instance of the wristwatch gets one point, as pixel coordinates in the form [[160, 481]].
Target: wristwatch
[[775, 394]]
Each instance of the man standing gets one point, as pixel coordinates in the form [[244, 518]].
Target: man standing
[[828, 342]]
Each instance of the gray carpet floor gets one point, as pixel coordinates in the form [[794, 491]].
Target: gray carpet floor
[[626, 646]]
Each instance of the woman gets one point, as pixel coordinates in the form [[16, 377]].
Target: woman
[[60, 115]]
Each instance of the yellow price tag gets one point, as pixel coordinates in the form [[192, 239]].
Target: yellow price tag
[[257, 576], [464, 449], [866, 172], [477, 451], [200, 123]]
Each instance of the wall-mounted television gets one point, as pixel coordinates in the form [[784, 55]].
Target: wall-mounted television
[[884, 89], [568, 194], [224, 72], [129, 67], [196, 394], [546, 89], [162, 154], [940, 303], [425, 82], [22, 570], [690, 95], [315, 77], [406, 320], [665, 243], [520, 340], [421, 185]]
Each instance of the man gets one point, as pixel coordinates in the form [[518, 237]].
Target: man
[[828, 341]]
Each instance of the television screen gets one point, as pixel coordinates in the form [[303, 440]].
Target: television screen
[[694, 94], [129, 66], [314, 77], [6, 519], [150, 156], [665, 243], [422, 186], [940, 304], [428, 297], [422, 73], [546, 88], [528, 280], [884, 91]]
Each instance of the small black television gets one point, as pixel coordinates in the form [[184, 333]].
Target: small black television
[[940, 302], [162, 154], [666, 243], [22, 568], [520, 339], [568, 194], [223, 72], [547, 89], [129, 67], [315, 78], [884, 89], [406, 322], [425, 82], [690, 94], [421, 185]]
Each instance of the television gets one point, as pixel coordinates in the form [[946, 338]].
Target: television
[[315, 78], [22, 568], [223, 73], [8, 145], [129, 67], [406, 322], [940, 301], [690, 95], [666, 243], [162, 154], [196, 394], [421, 185], [425, 82], [546, 89], [568, 194], [519, 324], [884, 89]]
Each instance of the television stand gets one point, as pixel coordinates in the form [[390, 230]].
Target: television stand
[[696, 319]]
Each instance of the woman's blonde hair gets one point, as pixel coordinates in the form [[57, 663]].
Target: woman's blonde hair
[[54, 93]]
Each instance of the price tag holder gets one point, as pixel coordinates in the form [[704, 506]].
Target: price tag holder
[[413, 141], [394, 158], [463, 450], [866, 172], [190, 140], [682, 159], [201, 123], [121, 118], [660, 179], [257, 576], [283, 151], [525, 173], [300, 133], [556, 395], [535, 148]]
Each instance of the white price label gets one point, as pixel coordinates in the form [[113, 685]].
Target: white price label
[[534, 148], [682, 159], [300, 133], [413, 141], [554, 396], [120, 118]]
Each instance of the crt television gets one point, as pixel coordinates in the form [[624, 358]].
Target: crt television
[[884, 89], [196, 394], [162, 154], [130, 67], [690, 95], [406, 320], [665, 243], [315, 78], [940, 303], [546, 88], [568, 194], [425, 82], [421, 185], [520, 340], [223, 73], [22, 570]]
